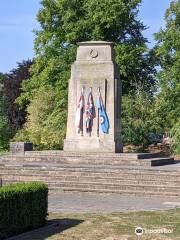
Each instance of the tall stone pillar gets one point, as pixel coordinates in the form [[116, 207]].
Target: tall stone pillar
[[94, 69]]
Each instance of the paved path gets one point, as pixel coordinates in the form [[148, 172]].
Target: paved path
[[86, 202]]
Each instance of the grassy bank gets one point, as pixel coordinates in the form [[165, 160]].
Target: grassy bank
[[115, 226]]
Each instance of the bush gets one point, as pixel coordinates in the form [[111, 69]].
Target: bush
[[5, 133], [136, 119], [23, 207], [175, 139], [46, 122]]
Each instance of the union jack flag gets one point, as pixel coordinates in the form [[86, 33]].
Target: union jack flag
[[90, 113], [79, 114]]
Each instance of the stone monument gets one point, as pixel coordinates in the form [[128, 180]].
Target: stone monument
[[94, 78]]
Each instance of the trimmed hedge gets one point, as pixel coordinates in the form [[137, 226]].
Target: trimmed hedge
[[23, 207]]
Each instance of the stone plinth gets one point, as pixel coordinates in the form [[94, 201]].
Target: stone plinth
[[20, 147], [95, 68]]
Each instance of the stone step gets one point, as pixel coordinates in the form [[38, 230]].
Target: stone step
[[114, 186], [64, 155], [116, 172], [160, 161], [105, 155], [55, 188], [100, 178], [141, 162], [89, 168], [115, 159], [132, 174], [120, 181], [122, 192], [86, 161], [83, 186]]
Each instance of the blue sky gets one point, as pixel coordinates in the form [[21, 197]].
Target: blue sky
[[18, 19]]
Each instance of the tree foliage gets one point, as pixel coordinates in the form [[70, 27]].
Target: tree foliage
[[4, 128], [1, 92], [45, 125], [136, 119], [66, 22], [167, 104], [175, 138], [168, 53], [12, 81]]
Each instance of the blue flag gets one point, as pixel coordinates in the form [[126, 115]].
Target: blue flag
[[104, 121]]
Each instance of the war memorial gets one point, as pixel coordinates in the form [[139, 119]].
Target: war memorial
[[93, 158], [94, 76]]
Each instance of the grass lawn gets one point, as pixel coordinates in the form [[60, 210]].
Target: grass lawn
[[114, 226]]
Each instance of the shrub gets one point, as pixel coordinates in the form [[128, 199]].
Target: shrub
[[23, 207], [175, 139], [46, 121], [5, 133], [136, 119]]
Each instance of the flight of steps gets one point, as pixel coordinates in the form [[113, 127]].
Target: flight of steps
[[105, 173]]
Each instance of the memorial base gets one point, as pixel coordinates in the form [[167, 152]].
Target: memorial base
[[92, 145]]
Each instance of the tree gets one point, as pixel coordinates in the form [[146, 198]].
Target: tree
[[4, 129], [66, 22], [137, 119], [175, 138], [167, 106], [1, 93], [45, 125], [12, 81]]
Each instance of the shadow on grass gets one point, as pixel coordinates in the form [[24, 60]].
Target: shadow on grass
[[52, 227]]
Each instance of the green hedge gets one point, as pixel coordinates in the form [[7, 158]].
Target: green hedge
[[23, 207]]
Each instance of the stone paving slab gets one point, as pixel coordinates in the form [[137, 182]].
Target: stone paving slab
[[106, 203]]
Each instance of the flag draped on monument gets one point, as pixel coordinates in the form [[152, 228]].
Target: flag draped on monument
[[79, 114], [90, 112], [104, 121]]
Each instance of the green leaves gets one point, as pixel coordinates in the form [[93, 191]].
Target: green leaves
[[167, 105], [46, 122], [23, 207], [63, 24], [136, 119], [11, 90], [5, 132], [168, 52], [175, 138]]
